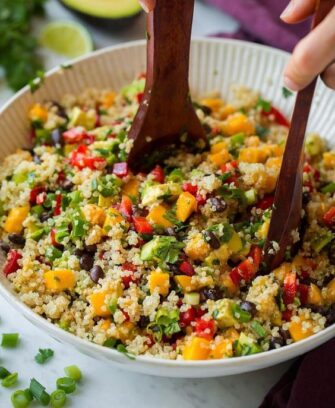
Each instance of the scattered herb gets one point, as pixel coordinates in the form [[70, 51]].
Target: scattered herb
[[286, 92], [43, 355]]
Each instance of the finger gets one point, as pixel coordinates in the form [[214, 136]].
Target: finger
[[312, 55], [147, 5], [328, 77], [298, 10]]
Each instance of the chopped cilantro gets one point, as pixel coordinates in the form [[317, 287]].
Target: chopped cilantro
[[43, 355]]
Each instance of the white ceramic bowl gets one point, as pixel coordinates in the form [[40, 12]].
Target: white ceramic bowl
[[215, 65]]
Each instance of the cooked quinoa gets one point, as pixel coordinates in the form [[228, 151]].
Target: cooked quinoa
[[166, 263]]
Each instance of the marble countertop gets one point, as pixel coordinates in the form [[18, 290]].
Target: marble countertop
[[105, 386]]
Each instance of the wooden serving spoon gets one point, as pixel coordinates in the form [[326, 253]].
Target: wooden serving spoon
[[287, 206], [166, 113]]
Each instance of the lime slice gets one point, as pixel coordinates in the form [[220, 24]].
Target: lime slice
[[66, 38]]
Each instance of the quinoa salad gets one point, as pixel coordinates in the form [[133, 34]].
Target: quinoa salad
[[166, 263]]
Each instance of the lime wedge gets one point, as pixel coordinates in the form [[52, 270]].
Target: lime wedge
[[66, 38]]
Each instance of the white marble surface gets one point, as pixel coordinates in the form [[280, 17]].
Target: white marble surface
[[105, 386]]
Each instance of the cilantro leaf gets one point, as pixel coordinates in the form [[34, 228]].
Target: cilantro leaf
[[286, 92], [43, 355]]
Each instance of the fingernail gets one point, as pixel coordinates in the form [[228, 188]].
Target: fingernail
[[288, 9], [291, 85]]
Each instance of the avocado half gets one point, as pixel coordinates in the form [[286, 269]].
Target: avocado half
[[111, 14]]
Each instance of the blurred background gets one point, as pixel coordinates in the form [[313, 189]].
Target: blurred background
[[50, 34]]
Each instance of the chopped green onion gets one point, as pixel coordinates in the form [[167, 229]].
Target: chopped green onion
[[4, 373], [43, 355], [58, 399], [240, 314], [329, 188], [10, 380], [258, 328], [67, 384], [10, 340], [39, 393], [73, 372], [110, 343], [21, 398], [264, 105]]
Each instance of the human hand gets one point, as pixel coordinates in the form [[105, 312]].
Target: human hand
[[314, 54], [147, 5]]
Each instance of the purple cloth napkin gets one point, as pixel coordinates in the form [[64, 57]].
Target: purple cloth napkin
[[260, 22], [309, 383]]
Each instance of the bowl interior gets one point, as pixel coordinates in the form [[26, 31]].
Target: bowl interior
[[215, 66]]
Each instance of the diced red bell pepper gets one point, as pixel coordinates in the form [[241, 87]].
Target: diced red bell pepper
[[287, 315], [34, 193], [329, 217], [41, 198], [205, 328], [190, 188], [290, 287], [12, 263], [142, 225], [74, 135], [278, 116], [186, 268], [130, 278], [256, 255], [53, 239], [80, 158], [247, 269], [121, 169], [235, 276], [201, 199], [126, 207], [61, 177], [158, 174], [139, 97], [187, 317], [266, 202], [126, 315], [303, 293], [58, 206]]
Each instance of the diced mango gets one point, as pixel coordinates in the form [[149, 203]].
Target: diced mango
[[196, 248], [108, 99], [113, 218], [131, 188], [330, 292], [220, 158], [253, 155], [314, 295], [106, 324], [222, 348], [105, 202], [38, 112], [156, 216], [197, 349], [213, 103], [185, 282], [252, 141], [263, 230], [228, 283], [235, 244], [59, 280], [218, 147], [282, 271], [159, 282], [226, 110], [329, 160], [302, 329], [222, 254], [15, 219], [94, 214], [99, 302], [273, 163], [236, 123], [185, 206]]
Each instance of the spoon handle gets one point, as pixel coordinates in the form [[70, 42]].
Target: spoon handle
[[169, 28]]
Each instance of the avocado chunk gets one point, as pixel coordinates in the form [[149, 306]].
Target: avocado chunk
[[223, 314], [246, 345], [109, 13], [153, 192]]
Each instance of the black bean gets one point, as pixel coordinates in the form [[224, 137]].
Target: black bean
[[322, 310], [276, 342], [109, 169], [217, 204], [174, 269], [212, 293], [4, 247], [249, 307], [67, 185], [206, 109], [306, 196], [57, 137], [96, 273], [17, 239], [143, 322], [91, 249], [284, 334], [60, 110], [212, 240], [86, 262], [79, 252], [45, 216]]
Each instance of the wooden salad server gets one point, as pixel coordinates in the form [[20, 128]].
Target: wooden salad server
[[287, 206], [166, 113]]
